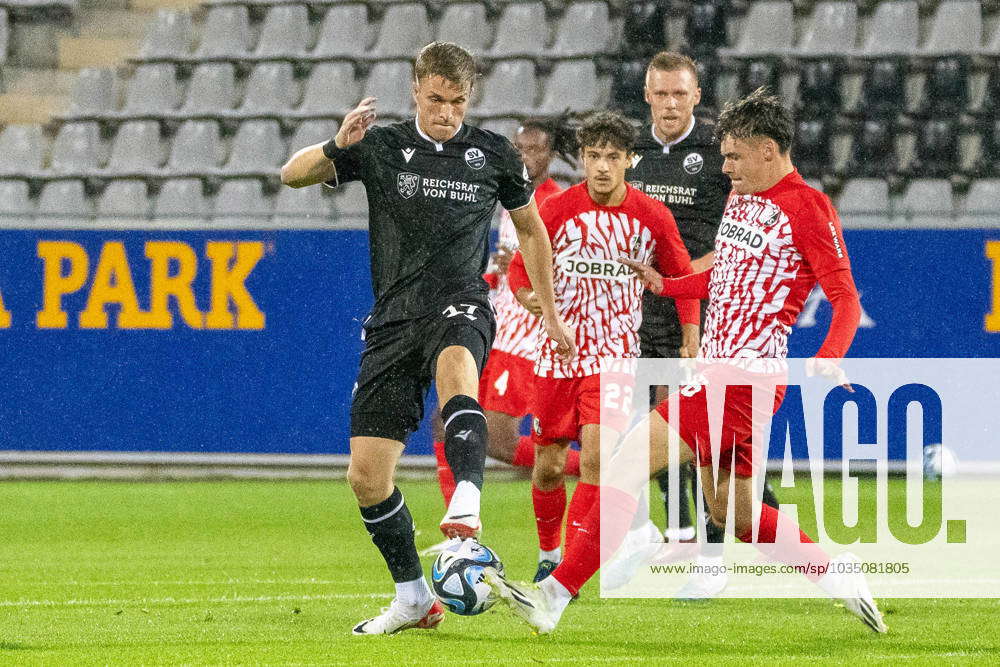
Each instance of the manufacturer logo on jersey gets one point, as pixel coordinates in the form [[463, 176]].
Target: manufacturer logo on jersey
[[408, 153], [602, 269], [636, 246], [407, 183], [475, 158], [693, 163], [536, 426], [636, 159]]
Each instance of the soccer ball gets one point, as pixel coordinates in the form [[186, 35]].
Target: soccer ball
[[457, 577], [939, 461]]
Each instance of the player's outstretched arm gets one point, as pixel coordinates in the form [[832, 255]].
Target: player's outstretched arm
[[536, 249], [316, 164]]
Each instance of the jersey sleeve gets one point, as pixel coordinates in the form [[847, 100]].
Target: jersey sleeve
[[672, 260], [818, 236], [517, 274], [513, 186], [350, 163]]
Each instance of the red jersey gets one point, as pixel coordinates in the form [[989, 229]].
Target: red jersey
[[770, 250], [598, 296], [518, 331]]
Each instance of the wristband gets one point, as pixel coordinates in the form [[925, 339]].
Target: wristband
[[331, 150]]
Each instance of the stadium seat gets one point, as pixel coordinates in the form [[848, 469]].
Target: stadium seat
[[15, 199], [937, 149], [350, 205], [331, 89], [894, 29], [993, 45], [345, 32], [705, 30], [761, 72], [819, 88], [270, 89], [285, 32], [168, 35], [241, 201], [225, 33], [465, 24], [136, 148], [989, 105], [831, 29], [627, 82], [926, 202], [990, 163], [310, 132], [4, 37], [76, 147], [643, 29], [181, 198], [522, 30], [874, 152], [505, 127], [946, 91], [298, 204], [404, 30], [768, 28], [152, 90], [94, 91], [708, 70], [124, 199], [883, 90], [509, 90], [583, 30], [212, 89], [390, 81], [196, 146], [957, 28], [864, 202], [64, 199], [812, 146], [257, 147], [572, 85], [981, 201], [21, 149]]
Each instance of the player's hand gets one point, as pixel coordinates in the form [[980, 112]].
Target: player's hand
[[562, 335], [647, 275], [356, 123], [828, 368], [690, 341], [502, 258], [527, 298]]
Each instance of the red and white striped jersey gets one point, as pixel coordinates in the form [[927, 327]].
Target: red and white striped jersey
[[771, 248], [518, 331], [596, 295]]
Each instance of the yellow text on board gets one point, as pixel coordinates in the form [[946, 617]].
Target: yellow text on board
[[993, 317]]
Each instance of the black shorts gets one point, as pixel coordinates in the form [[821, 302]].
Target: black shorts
[[660, 331], [397, 365]]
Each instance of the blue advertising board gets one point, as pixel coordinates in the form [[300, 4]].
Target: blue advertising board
[[239, 341]]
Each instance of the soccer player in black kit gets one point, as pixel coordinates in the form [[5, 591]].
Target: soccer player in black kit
[[432, 185], [678, 162]]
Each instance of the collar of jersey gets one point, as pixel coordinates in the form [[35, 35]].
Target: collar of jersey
[[668, 145], [438, 145]]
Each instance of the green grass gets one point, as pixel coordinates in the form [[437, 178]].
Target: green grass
[[278, 572]]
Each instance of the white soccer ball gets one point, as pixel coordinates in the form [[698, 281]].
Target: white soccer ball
[[457, 577], [939, 461]]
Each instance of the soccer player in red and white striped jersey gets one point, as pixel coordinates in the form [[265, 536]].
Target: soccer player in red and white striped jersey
[[591, 225], [778, 238]]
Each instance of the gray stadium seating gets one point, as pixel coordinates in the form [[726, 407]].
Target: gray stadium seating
[[927, 202], [271, 90], [21, 149], [957, 27], [225, 33], [503, 126], [509, 90], [330, 90], [405, 29], [241, 201], [285, 32], [350, 204], [768, 27], [893, 30], [465, 24], [181, 198], [136, 148], [4, 37], [292, 204], [344, 33], [583, 30], [152, 90], [864, 202], [212, 89], [993, 45], [94, 91], [196, 147], [124, 199], [572, 85], [521, 31], [981, 203], [390, 81], [76, 148], [64, 199], [831, 29], [310, 132], [15, 199], [168, 35], [257, 147]]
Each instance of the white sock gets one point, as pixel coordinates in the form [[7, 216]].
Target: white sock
[[555, 555], [679, 534], [414, 593], [465, 500], [557, 593]]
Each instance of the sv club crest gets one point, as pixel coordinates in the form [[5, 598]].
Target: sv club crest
[[407, 183]]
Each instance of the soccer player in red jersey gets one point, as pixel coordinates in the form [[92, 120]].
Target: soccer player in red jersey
[[778, 238], [591, 225]]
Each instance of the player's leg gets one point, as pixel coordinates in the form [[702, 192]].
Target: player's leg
[[548, 499]]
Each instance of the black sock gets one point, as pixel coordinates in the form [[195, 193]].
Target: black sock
[[683, 501], [465, 439], [769, 498], [391, 527]]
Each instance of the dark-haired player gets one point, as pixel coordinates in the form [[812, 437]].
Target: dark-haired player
[[778, 238], [432, 184], [591, 226]]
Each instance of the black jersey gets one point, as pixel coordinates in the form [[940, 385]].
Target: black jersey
[[430, 205]]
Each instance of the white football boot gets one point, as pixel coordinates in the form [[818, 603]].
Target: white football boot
[[435, 549], [398, 617], [462, 518], [845, 582], [532, 602], [638, 547], [704, 585]]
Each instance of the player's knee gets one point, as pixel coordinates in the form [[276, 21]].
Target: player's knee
[[548, 472], [718, 516], [368, 485]]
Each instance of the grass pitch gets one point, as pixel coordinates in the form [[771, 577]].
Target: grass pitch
[[279, 572]]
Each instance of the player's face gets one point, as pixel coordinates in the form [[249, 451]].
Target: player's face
[[441, 105], [604, 167], [746, 163], [672, 97], [536, 151]]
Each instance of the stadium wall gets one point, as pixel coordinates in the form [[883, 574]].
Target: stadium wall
[[246, 342]]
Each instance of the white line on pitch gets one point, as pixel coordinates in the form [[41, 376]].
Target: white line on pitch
[[171, 600]]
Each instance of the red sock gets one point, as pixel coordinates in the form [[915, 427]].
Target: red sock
[[584, 556], [549, 509], [446, 480], [524, 453], [572, 463], [803, 552], [584, 497]]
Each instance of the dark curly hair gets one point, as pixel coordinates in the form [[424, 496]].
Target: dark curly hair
[[560, 132], [759, 114], [606, 127]]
